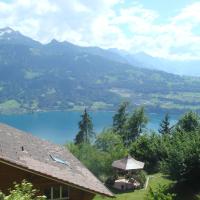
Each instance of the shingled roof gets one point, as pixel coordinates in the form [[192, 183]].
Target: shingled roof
[[36, 155]]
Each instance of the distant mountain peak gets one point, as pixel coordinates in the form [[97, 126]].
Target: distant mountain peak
[[6, 30], [54, 41], [10, 36], [8, 33]]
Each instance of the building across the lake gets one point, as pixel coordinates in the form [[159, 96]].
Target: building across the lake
[[50, 168]]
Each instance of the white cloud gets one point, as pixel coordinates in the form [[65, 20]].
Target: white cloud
[[98, 23], [147, 33], [190, 12]]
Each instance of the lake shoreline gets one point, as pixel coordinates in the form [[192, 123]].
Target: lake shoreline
[[156, 111], [62, 126]]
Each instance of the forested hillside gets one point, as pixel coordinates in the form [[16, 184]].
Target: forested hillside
[[60, 75]]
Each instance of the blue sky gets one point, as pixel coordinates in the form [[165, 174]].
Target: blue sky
[[168, 29], [166, 7]]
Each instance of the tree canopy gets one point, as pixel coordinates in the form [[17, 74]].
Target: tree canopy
[[86, 133], [120, 119], [190, 121], [129, 125], [175, 152], [165, 125], [136, 124]]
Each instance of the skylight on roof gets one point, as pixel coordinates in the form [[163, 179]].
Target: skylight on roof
[[59, 160]]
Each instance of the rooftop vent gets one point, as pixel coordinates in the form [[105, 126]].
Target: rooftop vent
[[59, 160]]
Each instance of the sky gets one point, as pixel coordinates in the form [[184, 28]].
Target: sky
[[161, 28]]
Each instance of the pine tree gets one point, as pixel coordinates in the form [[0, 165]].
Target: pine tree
[[120, 118], [165, 125], [136, 124], [86, 133]]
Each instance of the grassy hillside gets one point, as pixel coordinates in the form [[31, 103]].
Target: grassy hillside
[[182, 193], [154, 182]]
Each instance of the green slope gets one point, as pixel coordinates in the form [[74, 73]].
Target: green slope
[[60, 76]]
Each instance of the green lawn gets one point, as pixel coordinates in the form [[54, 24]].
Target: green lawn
[[155, 181]]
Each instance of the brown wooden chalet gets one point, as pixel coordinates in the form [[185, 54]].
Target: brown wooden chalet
[[50, 168]]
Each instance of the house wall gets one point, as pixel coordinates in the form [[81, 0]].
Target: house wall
[[9, 174]]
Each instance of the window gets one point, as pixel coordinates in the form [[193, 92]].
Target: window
[[65, 192], [58, 160], [57, 193], [47, 193]]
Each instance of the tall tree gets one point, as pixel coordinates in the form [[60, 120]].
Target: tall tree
[[189, 122], [165, 125], [86, 133], [108, 141], [120, 119], [136, 124]]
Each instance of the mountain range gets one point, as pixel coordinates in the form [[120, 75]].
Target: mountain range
[[61, 76], [180, 67]]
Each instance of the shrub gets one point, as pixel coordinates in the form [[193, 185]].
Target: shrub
[[111, 180], [99, 157], [22, 191], [2, 196], [160, 193], [140, 176]]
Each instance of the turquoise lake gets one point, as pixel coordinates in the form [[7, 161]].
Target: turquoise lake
[[61, 127]]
